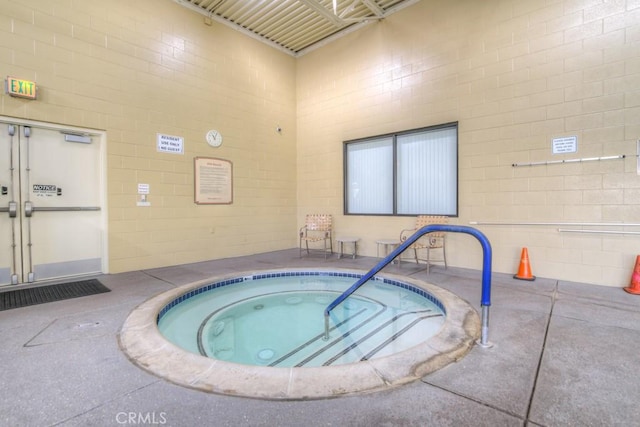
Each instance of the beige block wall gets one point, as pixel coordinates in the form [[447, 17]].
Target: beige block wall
[[514, 74], [138, 68]]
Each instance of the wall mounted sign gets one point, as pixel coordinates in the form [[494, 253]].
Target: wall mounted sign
[[21, 88], [170, 144], [568, 144], [213, 181], [143, 188], [143, 191]]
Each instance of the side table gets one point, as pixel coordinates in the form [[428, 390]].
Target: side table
[[352, 240], [388, 246]]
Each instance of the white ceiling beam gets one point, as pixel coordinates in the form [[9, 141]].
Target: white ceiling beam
[[234, 26], [373, 7], [320, 10], [278, 40]]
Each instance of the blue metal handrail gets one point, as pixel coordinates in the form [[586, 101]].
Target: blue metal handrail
[[485, 301]]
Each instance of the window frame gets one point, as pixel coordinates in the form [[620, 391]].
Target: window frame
[[394, 136]]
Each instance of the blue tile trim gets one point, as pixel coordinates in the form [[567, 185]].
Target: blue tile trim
[[259, 276]]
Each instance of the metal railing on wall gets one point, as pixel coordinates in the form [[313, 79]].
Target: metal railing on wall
[[553, 162], [570, 224], [566, 230]]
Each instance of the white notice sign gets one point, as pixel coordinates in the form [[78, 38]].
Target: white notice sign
[[170, 144], [143, 188], [568, 144]]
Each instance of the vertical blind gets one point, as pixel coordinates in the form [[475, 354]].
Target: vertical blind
[[411, 173], [427, 173], [370, 177]]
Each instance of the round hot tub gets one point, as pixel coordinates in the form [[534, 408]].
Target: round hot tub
[[261, 334]]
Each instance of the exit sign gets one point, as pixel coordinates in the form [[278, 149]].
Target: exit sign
[[21, 88]]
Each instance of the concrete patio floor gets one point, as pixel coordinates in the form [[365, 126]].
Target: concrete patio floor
[[563, 354]]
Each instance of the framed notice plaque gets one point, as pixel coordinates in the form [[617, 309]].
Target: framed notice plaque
[[213, 181]]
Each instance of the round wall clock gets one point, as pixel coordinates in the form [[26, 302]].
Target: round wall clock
[[214, 138]]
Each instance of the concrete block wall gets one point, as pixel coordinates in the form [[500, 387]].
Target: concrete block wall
[[515, 75], [138, 68]]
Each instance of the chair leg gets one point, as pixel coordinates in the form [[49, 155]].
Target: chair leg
[[444, 255]]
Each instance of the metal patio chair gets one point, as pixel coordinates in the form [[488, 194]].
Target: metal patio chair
[[434, 241], [317, 228]]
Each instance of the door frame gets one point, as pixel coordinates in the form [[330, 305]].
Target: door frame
[[101, 137]]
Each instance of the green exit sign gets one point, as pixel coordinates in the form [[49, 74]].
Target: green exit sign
[[21, 88]]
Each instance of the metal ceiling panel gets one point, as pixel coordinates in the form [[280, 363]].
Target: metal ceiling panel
[[296, 26]]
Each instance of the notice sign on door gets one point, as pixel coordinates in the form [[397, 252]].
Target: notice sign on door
[[45, 190], [170, 144]]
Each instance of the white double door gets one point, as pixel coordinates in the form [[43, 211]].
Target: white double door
[[52, 215]]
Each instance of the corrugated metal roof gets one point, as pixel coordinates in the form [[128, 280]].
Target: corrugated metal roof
[[296, 26]]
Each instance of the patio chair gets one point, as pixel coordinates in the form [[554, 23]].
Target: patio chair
[[317, 228], [433, 241]]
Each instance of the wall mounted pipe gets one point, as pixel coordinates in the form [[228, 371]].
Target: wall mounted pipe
[[553, 162], [573, 224], [566, 230]]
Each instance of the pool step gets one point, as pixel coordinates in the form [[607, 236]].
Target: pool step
[[363, 336]]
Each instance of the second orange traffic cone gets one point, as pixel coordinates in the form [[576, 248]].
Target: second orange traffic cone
[[634, 287], [524, 271]]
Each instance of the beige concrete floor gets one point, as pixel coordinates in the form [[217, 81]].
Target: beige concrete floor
[[563, 354]]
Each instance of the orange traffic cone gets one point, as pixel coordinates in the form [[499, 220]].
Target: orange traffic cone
[[634, 287], [524, 272]]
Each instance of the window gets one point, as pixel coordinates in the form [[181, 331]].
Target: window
[[407, 173]]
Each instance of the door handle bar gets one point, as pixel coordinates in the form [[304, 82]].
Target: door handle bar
[[66, 209], [12, 209], [29, 209]]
